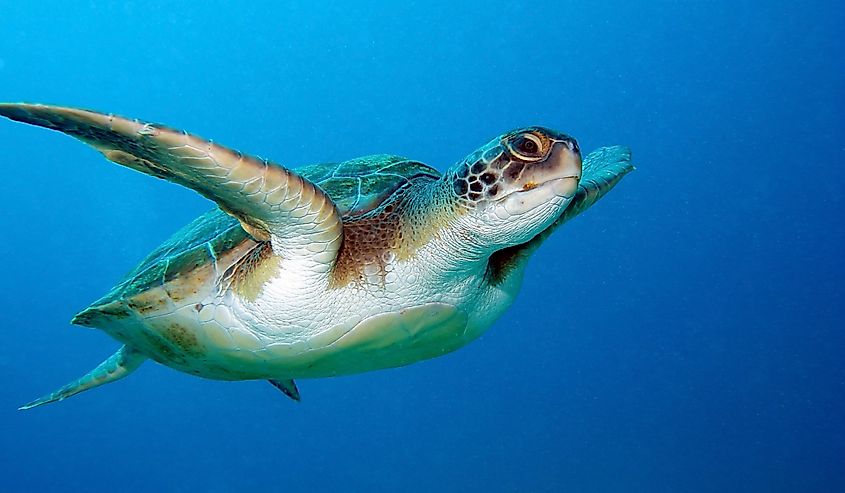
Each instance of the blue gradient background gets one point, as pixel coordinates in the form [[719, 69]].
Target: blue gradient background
[[685, 334]]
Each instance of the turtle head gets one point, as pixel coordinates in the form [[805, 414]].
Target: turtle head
[[515, 186]]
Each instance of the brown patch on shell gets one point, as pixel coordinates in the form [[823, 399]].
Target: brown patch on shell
[[188, 284], [249, 274], [194, 279], [161, 350], [183, 339], [148, 302]]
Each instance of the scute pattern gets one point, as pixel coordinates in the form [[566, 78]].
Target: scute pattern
[[359, 185], [201, 241]]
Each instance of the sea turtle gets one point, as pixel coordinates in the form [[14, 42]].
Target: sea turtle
[[329, 269]]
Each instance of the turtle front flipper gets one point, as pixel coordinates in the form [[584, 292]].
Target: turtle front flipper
[[602, 170], [270, 201], [117, 366]]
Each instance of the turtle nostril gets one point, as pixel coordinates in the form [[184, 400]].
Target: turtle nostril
[[573, 145]]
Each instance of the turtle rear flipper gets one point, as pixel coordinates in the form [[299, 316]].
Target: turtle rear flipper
[[288, 387], [117, 366]]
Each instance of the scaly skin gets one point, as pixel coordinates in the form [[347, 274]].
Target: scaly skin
[[320, 290], [303, 325]]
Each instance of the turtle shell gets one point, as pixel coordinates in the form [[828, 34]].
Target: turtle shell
[[356, 187]]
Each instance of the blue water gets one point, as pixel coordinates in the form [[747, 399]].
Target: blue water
[[685, 334]]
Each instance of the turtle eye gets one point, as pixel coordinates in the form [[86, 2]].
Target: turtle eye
[[527, 145]]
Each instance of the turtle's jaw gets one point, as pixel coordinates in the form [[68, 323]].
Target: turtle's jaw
[[564, 187], [533, 196]]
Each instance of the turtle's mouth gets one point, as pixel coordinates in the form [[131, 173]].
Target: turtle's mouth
[[534, 195], [565, 186]]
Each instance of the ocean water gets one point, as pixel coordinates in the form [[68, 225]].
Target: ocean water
[[684, 334]]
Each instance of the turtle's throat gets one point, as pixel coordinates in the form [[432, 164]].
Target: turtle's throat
[[456, 245], [466, 237]]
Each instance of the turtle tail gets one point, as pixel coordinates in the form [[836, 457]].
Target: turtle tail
[[117, 366]]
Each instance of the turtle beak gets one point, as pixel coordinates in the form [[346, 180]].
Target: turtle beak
[[565, 167], [560, 172]]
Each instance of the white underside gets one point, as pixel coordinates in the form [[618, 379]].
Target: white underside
[[298, 327]]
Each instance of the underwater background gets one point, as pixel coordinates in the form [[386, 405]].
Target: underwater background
[[684, 334]]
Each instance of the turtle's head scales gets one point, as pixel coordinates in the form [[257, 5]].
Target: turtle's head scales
[[517, 184]]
